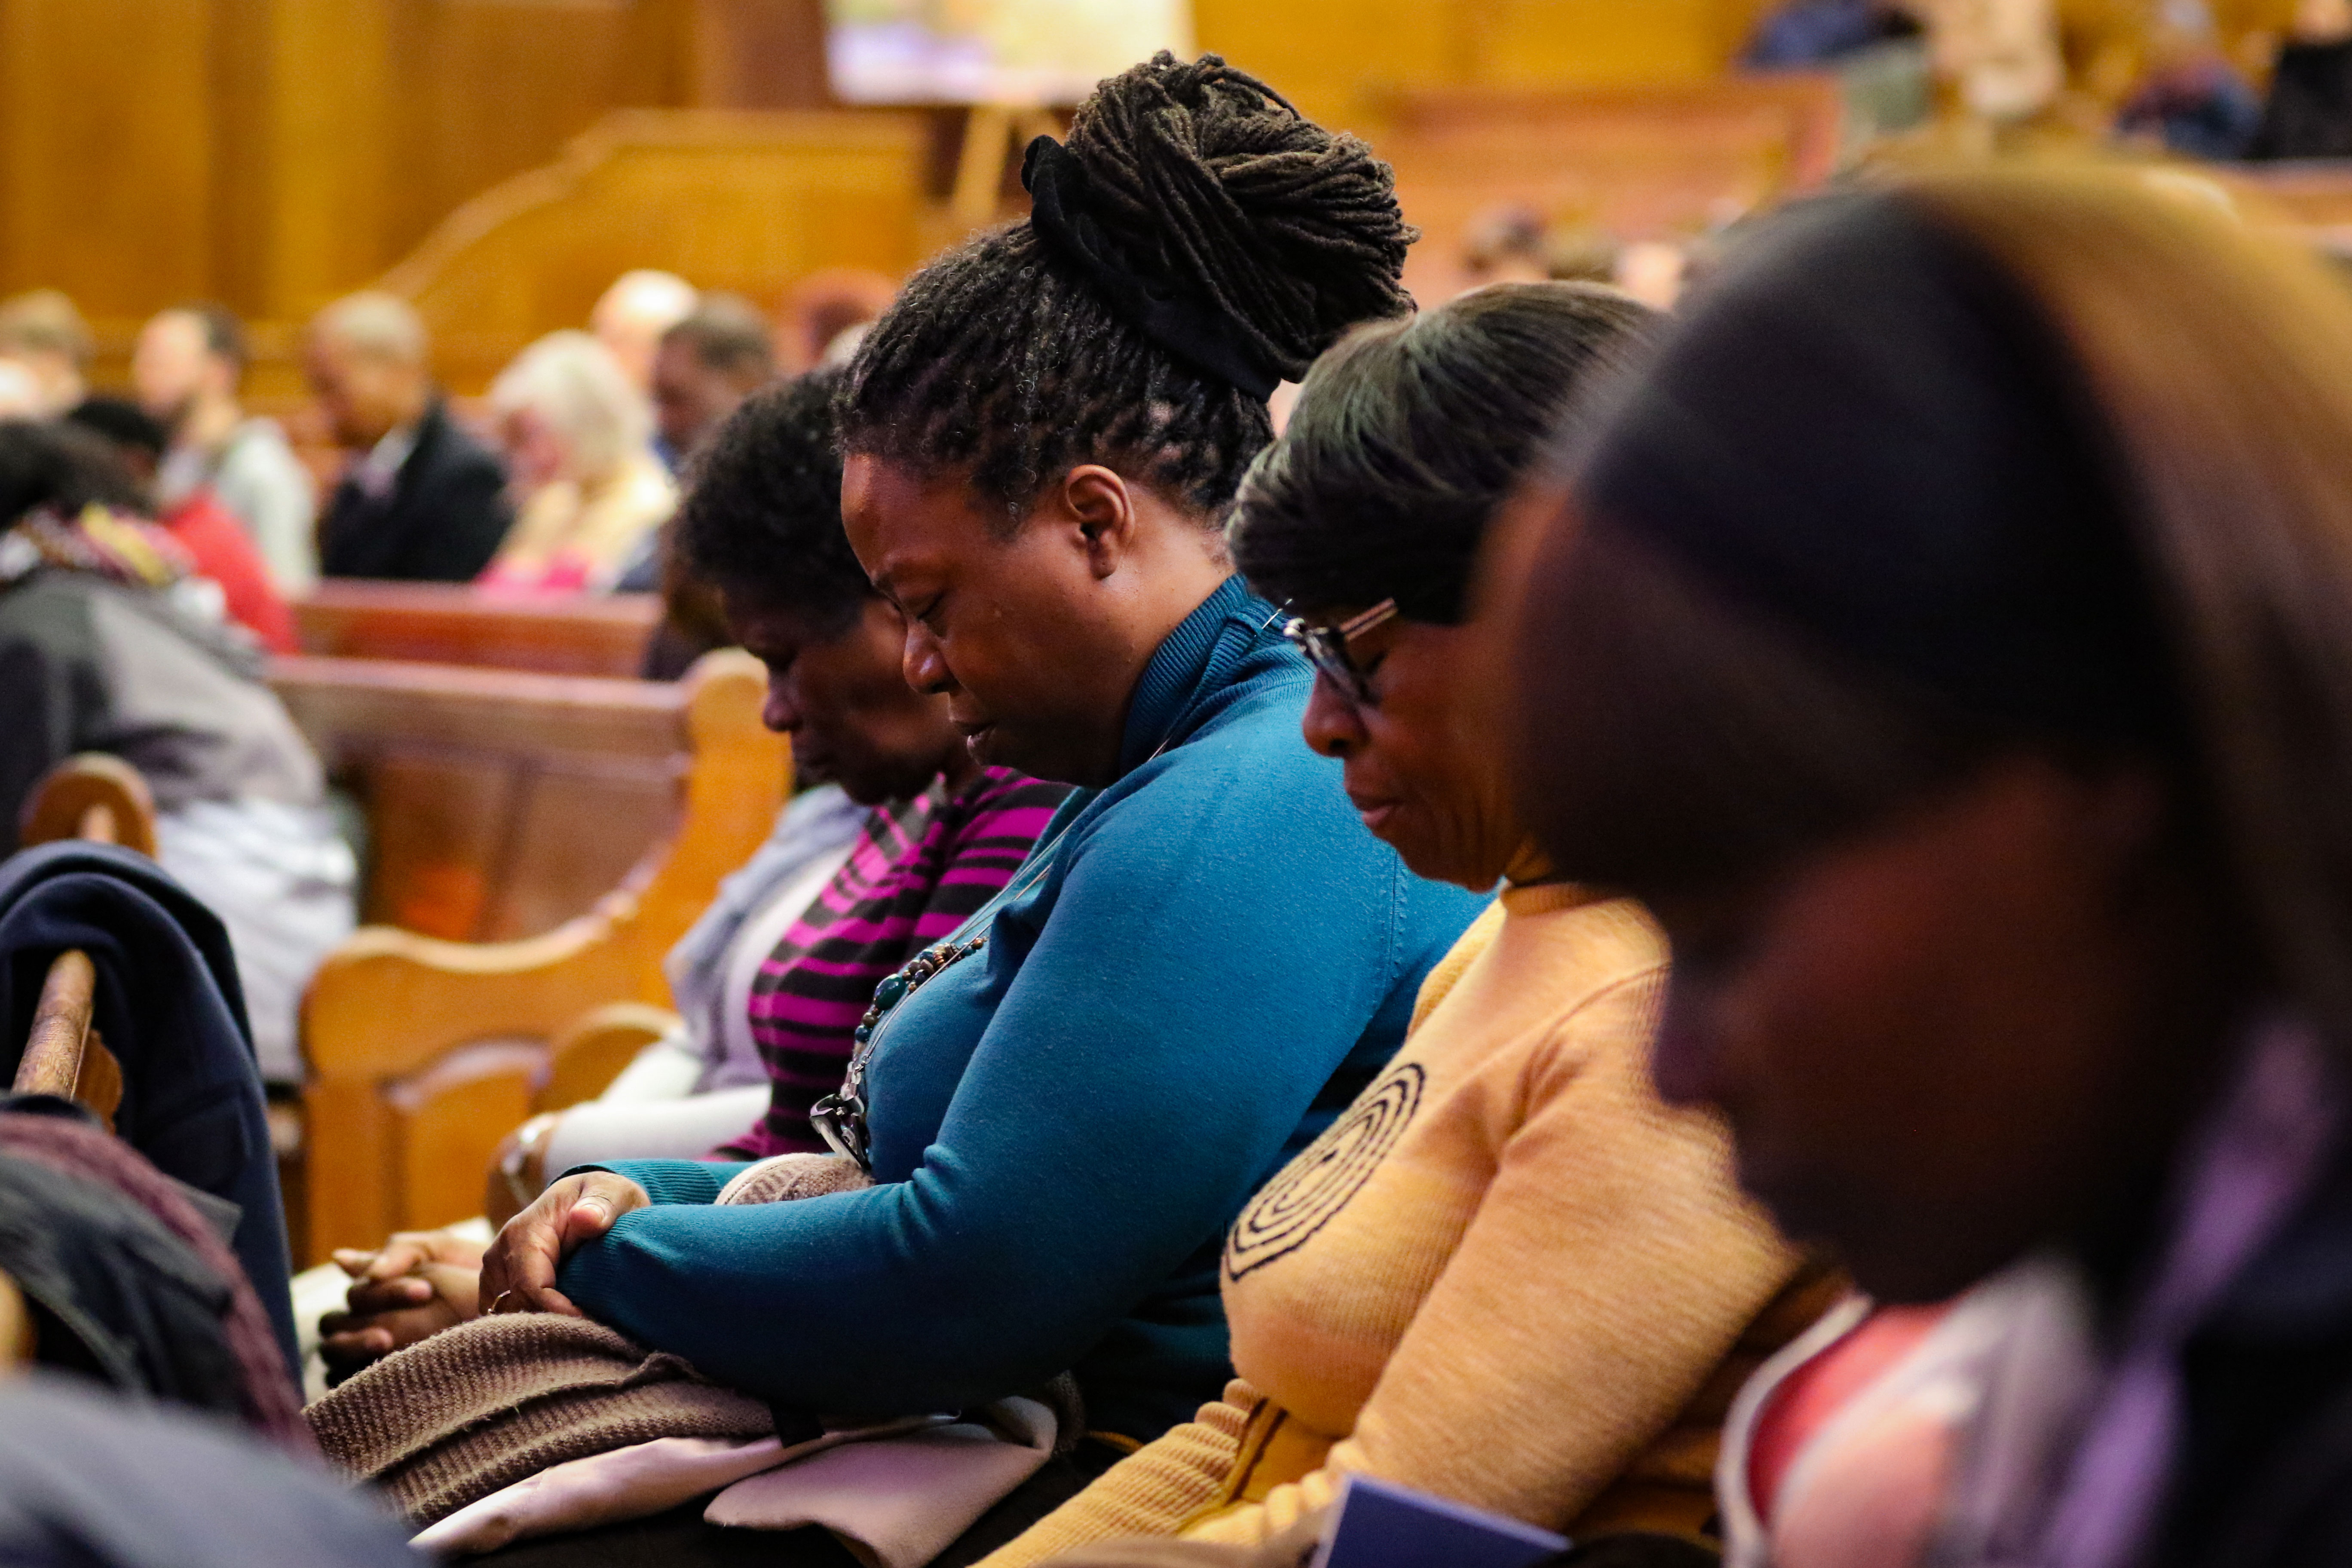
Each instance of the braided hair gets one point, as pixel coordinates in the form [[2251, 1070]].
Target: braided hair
[[1004, 361]]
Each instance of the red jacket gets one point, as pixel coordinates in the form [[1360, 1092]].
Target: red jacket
[[224, 552]]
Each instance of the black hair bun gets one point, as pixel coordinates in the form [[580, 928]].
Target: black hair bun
[[1207, 175]]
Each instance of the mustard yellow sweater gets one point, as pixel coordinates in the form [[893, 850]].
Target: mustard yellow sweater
[[1510, 1274]]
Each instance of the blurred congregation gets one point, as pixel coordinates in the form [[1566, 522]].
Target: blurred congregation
[[1162, 783]]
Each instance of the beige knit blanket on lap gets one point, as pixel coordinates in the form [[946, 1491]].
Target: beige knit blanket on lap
[[482, 1404]]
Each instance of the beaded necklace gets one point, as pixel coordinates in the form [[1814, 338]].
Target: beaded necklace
[[840, 1118]]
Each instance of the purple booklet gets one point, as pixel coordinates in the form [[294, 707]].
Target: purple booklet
[[1378, 1524]]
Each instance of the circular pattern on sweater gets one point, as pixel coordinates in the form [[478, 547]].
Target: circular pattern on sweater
[[1320, 1182]]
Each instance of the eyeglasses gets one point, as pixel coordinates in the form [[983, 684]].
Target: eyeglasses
[[1325, 649]]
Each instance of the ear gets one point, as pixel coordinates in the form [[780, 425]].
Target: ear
[[1096, 501]]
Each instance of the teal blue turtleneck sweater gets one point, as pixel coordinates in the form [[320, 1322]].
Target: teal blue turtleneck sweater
[[1198, 968]]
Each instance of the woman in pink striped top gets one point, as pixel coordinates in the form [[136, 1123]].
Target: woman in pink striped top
[[761, 522], [917, 871]]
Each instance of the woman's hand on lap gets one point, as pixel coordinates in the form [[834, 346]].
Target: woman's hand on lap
[[519, 1272]]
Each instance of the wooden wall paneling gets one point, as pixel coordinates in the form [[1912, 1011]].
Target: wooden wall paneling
[[274, 153], [758, 53], [330, 166], [1324, 54], [1661, 163], [240, 133], [105, 149], [1553, 43], [1339, 60], [490, 88], [736, 200]]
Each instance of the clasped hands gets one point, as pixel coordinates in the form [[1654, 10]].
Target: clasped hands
[[421, 1282]]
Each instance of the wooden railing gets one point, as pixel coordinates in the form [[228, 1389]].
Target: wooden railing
[[421, 1053], [435, 623], [103, 799]]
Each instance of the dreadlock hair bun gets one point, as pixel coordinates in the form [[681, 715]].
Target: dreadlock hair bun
[[1003, 359], [1213, 176]]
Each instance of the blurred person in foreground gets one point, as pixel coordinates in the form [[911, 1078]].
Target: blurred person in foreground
[[102, 648], [186, 369], [223, 553], [421, 499], [91, 1481], [42, 331], [1946, 638], [590, 492], [631, 316]]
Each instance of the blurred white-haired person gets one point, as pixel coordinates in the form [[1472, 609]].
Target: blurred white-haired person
[[631, 316], [578, 443]]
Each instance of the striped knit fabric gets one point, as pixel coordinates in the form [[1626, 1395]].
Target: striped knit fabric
[[916, 872]]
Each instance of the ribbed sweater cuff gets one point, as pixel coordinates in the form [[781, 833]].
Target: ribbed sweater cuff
[[675, 1181]]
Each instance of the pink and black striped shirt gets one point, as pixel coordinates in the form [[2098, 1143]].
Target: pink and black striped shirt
[[916, 872]]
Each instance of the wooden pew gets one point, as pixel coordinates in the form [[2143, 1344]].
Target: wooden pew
[[2311, 198], [750, 202], [501, 804], [1666, 161], [439, 623], [92, 795], [102, 799], [423, 1053]]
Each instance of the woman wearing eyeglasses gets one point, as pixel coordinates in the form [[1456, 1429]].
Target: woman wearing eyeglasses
[[1508, 1275]]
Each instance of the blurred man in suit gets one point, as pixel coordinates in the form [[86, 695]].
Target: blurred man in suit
[[422, 500]]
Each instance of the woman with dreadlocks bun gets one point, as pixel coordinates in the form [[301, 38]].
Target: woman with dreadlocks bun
[[1064, 1104], [1196, 244]]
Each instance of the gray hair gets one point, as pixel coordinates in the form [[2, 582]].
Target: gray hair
[[379, 325]]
